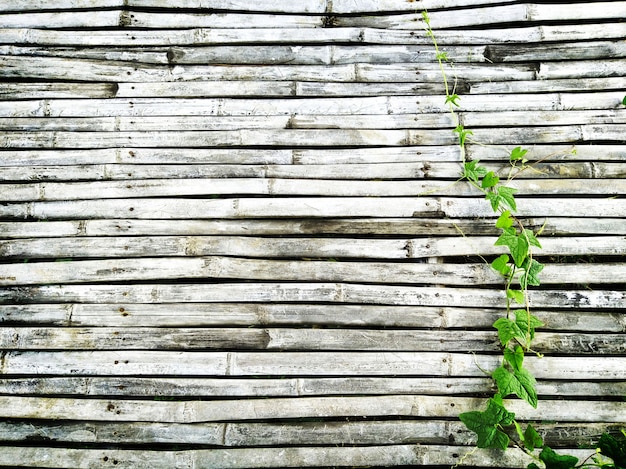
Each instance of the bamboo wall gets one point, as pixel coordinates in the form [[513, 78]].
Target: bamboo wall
[[232, 236]]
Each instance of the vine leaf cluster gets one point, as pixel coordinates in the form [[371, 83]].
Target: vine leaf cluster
[[495, 426]]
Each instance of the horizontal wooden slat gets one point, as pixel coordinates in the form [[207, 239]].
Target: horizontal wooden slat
[[545, 86], [101, 71], [520, 119], [104, 19], [327, 207], [346, 226], [264, 247], [163, 123], [142, 19], [223, 36], [315, 6], [275, 179], [215, 267], [251, 138], [412, 154], [237, 387], [257, 184], [266, 434], [319, 106], [489, 15], [297, 315], [579, 69], [267, 457], [277, 55], [304, 293], [304, 137], [110, 338], [255, 409], [572, 51]]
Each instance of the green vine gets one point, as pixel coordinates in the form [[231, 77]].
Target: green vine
[[495, 426]]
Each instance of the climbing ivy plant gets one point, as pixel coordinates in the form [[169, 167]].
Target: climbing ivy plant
[[516, 329]]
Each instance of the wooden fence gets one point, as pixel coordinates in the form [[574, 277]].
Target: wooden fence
[[232, 235]]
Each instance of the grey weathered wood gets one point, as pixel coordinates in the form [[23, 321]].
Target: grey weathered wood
[[492, 16], [26, 5], [185, 387], [305, 293], [171, 208], [301, 247], [270, 457], [572, 50], [551, 152], [539, 102], [273, 54], [580, 69], [303, 137], [242, 314], [90, 70], [215, 267], [352, 226], [316, 6], [110, 130], [255, 409], [109, 338], [284, 178], [543, 118], [547, 119], [143, 123], [249, 137], [331, 106], [26, 158], [538, 183], [249, 434], [140, 19], [79, 19], [57, 90], [222, 36], [545, 86]]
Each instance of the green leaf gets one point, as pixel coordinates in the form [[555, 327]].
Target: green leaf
[[517, 154], [463, 134], [518, 382], [519, 431], [472, 171], [516, 295], [508, 330], [443, 57], [505, 220], [487, 424], [530, 276], [553, 460], [614, 449], [515, 357], [624, 101], [532, 439], [506, 193], [522, 319], [502, 195], [517, 244], [493, 198], [531, 238], [501, 264], [453, 98], [490, 180]]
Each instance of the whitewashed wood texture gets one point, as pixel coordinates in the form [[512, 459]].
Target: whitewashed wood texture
[[233, 233]]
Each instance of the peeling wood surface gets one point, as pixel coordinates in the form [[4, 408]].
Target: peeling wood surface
[[232, 236]]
